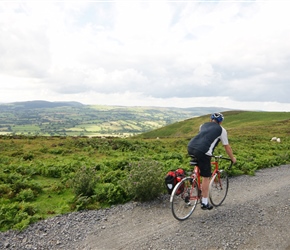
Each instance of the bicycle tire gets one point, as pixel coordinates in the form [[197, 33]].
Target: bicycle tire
[[184, 198], [218, 188]]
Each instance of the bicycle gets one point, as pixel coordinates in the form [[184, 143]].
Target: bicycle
[[187, 193]]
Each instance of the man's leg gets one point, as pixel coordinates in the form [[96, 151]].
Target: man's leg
[[204, 162], [205, 189], [205, 186]]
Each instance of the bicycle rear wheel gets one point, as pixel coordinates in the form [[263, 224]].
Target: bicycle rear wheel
[[218, 187], [184, 198]]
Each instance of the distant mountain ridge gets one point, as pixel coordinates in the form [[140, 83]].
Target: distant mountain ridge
[[44, 104], [49, 104]]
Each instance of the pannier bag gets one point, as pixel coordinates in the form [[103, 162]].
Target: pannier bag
[[172, 178]]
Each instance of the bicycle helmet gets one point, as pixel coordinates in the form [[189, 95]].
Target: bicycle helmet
[[217, 117]]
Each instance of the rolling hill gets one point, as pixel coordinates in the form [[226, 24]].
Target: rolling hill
[[76, 119], [237, 123]]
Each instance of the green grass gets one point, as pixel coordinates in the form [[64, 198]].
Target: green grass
[[55, 198], [36, 172]]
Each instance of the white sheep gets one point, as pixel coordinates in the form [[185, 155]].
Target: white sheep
[[276, 139]]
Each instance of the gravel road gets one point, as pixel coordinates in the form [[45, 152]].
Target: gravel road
[[255, 215]]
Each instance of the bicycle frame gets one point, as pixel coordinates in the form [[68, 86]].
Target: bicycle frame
[[216, 168], [184, 203], [196, 172]]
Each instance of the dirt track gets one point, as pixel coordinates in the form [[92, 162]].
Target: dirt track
[[255, 215]]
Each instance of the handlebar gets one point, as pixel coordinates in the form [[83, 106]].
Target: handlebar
[[224, 158], [221, 157]]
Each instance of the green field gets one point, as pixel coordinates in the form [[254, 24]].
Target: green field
[[43, 176], [75, 119]]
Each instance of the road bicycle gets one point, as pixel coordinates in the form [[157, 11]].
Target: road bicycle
[[187, 193]]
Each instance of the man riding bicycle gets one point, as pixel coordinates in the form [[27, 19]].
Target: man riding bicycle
[[202, 147]]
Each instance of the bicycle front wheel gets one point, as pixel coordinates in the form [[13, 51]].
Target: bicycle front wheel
[[184, 198], [218, 187]]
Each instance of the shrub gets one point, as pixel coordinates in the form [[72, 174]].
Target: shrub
[[173, 155], [15, 216], [57, 188], [145, 180], [109, 194], [84, 182], [113, 176], [28, 157], [52, 171], [5, 190], [81, 202], [21, 184], [25, 195]]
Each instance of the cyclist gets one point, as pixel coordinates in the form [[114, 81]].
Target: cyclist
[[202, 147]]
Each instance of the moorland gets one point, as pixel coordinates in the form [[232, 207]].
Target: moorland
[[44, 176]]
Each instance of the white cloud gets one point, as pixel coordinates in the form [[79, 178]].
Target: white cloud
[[146, 52]]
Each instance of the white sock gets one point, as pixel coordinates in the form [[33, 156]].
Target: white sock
[[204, 201]]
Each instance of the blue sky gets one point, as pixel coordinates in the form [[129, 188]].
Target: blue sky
[[233, 54]]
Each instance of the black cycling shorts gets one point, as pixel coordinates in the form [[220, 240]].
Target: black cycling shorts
[[203, 160]]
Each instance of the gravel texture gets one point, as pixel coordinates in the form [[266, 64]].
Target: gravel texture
[[255, 215]]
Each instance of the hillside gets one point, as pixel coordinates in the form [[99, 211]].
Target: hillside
[[76, 119], [249, 123]]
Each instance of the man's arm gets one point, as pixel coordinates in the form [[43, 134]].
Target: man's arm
[[230, 152]]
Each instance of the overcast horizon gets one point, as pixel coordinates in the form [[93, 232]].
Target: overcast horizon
[[218, 108], [230, 54]]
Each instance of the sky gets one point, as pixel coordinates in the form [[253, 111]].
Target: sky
[[231, 54]]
